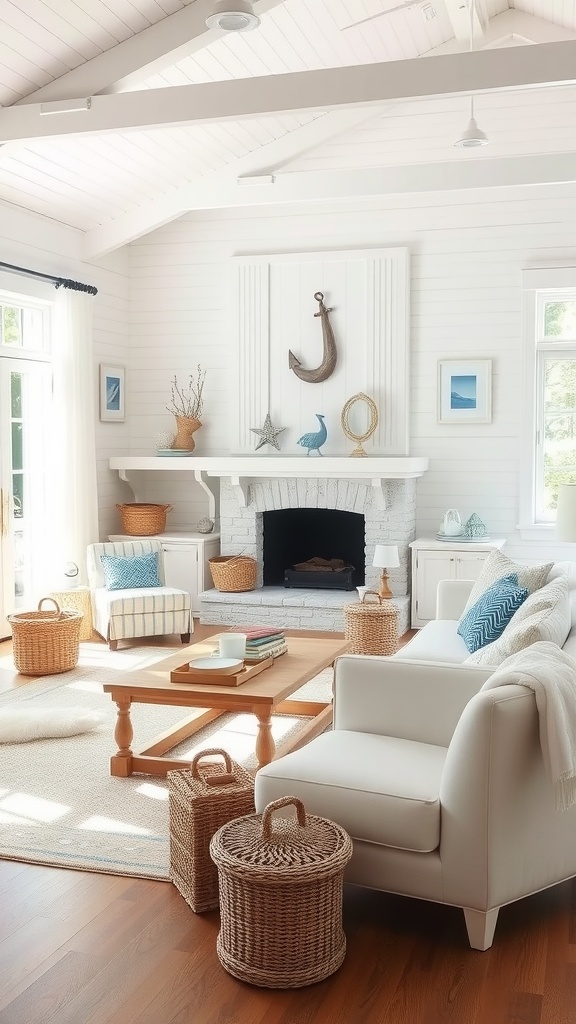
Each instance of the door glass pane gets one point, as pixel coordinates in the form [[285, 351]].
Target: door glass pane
[[11, 321]]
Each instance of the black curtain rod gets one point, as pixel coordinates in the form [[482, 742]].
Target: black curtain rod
[[59, 282]]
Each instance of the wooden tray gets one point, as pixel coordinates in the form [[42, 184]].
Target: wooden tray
[[182, 674]]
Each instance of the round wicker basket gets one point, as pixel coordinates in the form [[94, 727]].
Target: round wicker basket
[[371, 628], [281, 885], [45, 642], [143, 519], [233, 573]]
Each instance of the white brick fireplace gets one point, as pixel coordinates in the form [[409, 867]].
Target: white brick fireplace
[[382, 490]]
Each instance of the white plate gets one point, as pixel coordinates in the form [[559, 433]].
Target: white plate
[[461, 539], [223, 666], [172, 452]]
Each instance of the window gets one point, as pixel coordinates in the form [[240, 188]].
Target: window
[[550, 395], [22, 327]]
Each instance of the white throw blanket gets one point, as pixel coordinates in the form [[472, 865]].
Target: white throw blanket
[[551, 673]]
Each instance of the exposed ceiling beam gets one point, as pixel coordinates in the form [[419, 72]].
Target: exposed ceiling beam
[[459, 13], [265, 160], [327, 186], [510, 25], [452, 74], [132, 61]]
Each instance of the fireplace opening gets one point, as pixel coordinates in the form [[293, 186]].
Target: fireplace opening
[[296, 535]]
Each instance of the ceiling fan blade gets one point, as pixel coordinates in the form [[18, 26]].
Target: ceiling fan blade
[[389, 10]]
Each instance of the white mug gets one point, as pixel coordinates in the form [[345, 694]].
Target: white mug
[[232, 645]]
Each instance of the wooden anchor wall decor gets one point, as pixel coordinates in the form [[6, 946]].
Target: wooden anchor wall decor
[[329, 354]]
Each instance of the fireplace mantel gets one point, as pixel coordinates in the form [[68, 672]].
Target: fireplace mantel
[[241, 469]]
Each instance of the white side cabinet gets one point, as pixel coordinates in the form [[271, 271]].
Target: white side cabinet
[[185, 560], [435, 560]]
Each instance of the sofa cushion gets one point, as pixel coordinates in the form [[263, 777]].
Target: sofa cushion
[[127, 573], [438, 640], [498, 565], [146, 601], [488, 617], [544, 615], [379, 788]]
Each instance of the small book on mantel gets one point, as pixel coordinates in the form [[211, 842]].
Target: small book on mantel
[[269, 651]]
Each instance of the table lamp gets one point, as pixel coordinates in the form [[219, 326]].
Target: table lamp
[[385, 557], [566, 513]]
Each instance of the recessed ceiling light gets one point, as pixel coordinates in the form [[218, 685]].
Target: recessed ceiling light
[[233, 16]]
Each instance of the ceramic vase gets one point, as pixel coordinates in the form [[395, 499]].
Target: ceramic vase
[[185, 429]]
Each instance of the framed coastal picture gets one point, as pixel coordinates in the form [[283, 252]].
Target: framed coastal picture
[[465, 391], [112, 386]]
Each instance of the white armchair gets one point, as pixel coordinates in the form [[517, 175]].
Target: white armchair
[[142, 611], [442, 788]]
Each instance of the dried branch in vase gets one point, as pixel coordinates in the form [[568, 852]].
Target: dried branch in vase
[[187, 401]]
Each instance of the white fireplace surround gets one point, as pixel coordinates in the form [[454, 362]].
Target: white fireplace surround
[[382, 489]]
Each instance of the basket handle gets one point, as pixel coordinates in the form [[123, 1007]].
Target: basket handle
[[376, 594], [284, 801], [58, 612], [213, 780]]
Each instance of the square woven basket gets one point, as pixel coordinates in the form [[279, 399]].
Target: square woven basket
[[200, 800]]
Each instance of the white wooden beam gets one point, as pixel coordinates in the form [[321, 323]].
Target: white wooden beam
[[268, 159], [326, 186], [509, 25], [128, 64], [459, 13], [449, 75]]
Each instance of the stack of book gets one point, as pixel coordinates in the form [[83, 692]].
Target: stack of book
[[263, 642]]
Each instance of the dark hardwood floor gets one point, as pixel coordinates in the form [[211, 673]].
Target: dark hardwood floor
[[84, 948]]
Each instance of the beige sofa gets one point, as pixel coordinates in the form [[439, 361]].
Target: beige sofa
[[441, 786]]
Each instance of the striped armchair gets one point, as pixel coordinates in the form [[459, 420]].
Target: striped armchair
[[143, 611]]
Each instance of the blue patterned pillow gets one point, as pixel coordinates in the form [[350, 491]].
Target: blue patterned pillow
[[487, 619], [128, 573]]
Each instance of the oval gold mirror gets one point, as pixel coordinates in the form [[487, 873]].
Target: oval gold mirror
[[359, 421]]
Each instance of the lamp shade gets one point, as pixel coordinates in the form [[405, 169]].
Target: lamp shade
[[386, 556], [566, 513]]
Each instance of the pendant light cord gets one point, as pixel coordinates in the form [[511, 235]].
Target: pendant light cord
[[471, 5]]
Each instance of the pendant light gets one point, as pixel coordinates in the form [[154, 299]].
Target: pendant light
[[473, 135], [233, 16]]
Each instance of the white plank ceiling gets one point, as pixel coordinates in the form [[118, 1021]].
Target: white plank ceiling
[[123, 166]]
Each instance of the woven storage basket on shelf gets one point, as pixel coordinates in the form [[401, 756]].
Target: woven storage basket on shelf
[[45, 642], [371, 628], [281, 896], [200, 800], [143, 519], [233, 573]]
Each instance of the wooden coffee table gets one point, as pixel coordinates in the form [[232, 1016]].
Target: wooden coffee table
[[263, 696]]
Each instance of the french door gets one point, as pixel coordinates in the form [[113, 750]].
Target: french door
[[26, 505]]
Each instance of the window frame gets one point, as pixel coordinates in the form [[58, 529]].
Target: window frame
[[539, 286]]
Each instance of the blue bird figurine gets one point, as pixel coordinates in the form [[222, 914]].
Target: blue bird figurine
[[314, 440]]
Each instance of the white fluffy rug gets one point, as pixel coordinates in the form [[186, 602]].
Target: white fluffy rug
[[58, 802]]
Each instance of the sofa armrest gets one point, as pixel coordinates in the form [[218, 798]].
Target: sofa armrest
[[451, 598], [414, 700]]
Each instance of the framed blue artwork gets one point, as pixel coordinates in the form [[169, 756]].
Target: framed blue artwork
[[465, 391], [112, 387]]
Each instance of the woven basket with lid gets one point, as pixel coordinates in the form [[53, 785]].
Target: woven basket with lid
[[200, 800], [371, 628], [281, 884]]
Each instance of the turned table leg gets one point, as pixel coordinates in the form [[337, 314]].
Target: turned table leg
[[265, 746], [121, 761]]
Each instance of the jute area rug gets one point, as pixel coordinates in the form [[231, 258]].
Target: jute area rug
[[58, 803]]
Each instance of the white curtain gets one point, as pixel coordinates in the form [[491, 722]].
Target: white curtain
[[75, 518]]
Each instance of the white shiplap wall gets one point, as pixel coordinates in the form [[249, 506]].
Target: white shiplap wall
[[467, 251], [29, 240]]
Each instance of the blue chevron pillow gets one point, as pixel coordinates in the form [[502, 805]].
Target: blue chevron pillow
[[487, 619], [131, 573]]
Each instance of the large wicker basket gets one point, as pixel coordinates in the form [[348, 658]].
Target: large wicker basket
[[281, 887], [233, 573], [371, 628], [45, 642], [200, 800], [143, 519]]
